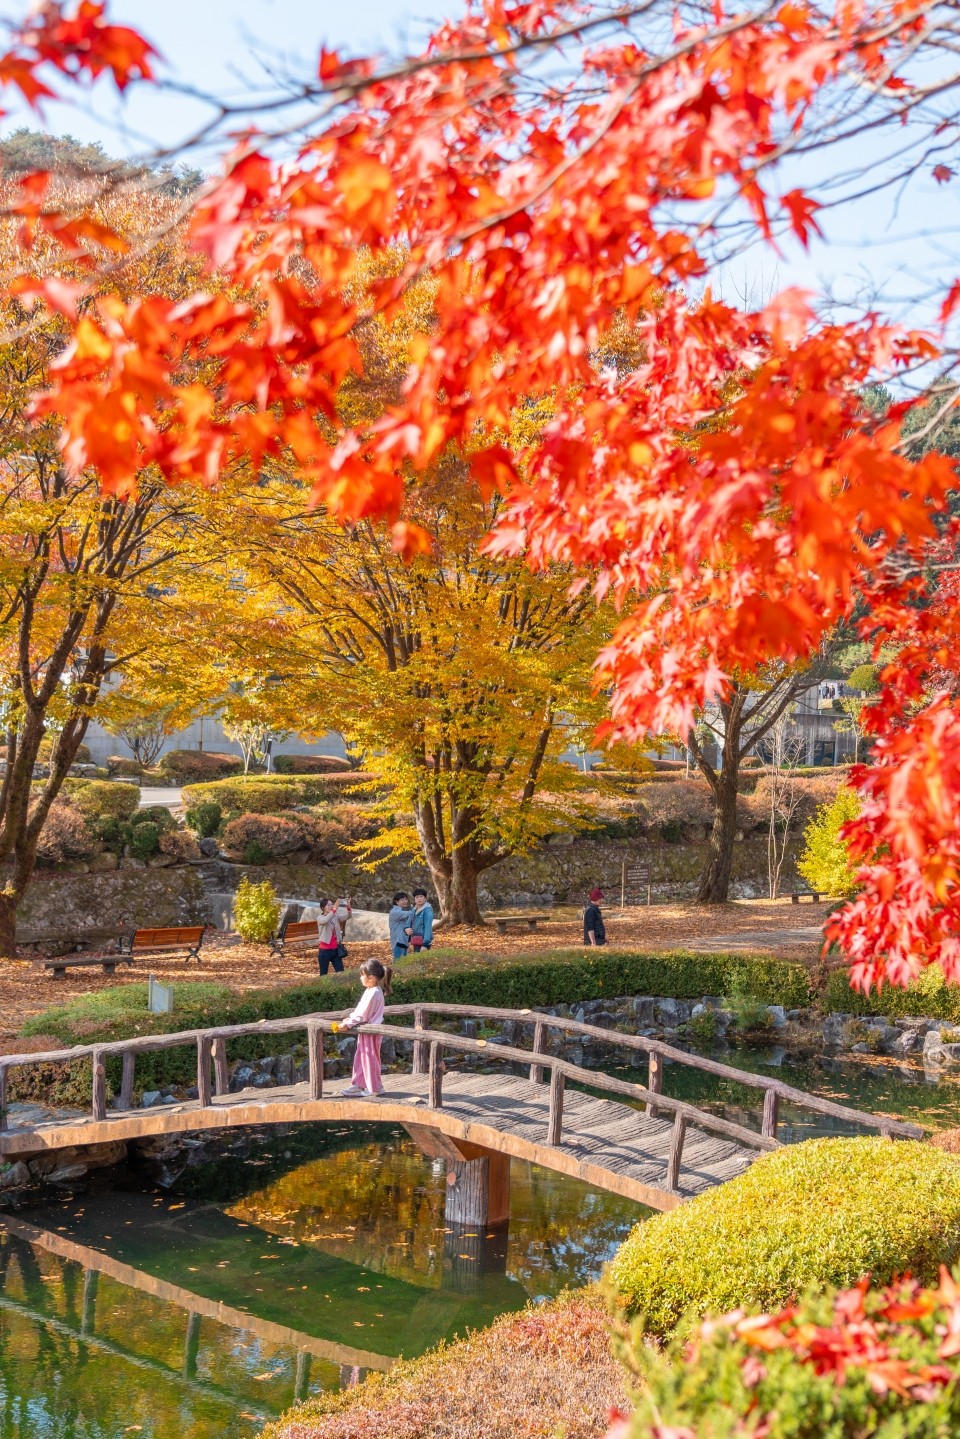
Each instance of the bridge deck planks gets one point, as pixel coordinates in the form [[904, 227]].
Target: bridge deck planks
[[606, 1135]]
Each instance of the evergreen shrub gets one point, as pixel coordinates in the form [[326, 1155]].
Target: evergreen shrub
[[103, 799], [823, 1212], [310, 764], [144, 840], [205, 819]]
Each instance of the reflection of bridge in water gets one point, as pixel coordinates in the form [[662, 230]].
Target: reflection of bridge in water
[[210, 1322], [620, 1136]]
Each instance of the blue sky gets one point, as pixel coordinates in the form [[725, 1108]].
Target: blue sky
[[230, 46]]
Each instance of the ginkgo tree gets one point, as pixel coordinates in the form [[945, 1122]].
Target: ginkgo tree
[[542, 199]]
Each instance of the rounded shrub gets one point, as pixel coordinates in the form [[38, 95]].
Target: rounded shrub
[[104, 799], [310, 764], [145, 840], [205, 819], [823, 1212], [273, 835], [157, 814], [256, 911]]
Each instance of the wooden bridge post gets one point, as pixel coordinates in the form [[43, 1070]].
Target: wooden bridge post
[[301, 1382], [436, 1075], [126, 1082], [478, 1190], [555, 1127], [91, 1279], [191, 1348], [204, 1048], [98, 1103], [420, 1045], [221, 1074], [539, 1045], [771, 1113], [676, 1149], [315, 1060], [654, 1081]]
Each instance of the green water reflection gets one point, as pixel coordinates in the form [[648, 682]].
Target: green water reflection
[[310, 1257]]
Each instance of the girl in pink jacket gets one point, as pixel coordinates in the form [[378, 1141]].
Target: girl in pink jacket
[[366, 1080]]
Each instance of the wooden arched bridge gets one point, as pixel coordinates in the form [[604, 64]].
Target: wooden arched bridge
[[631, 1139]]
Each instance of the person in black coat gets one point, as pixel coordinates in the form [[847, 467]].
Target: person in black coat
[[593, 928]]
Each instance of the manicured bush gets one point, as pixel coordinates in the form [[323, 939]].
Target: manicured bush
[[546, 1371], [843, 1364], [272, 835], [205, 819], [825, 862], [157, 814], [271, 793], [180, 845], [144, 840], [256, 911], [357, 821], [104, 799], [823, 1212], [65, 836], [930, 995], [186, 766], [261, 795], [123, 765], [310, 764]]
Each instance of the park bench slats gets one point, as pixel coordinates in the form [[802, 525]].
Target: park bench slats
[[296, 932], [171, 940], [805, 894]]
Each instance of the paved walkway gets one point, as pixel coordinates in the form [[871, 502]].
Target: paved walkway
[[154, 794], [761, 938]]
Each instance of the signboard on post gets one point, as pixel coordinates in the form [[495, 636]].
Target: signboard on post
[[635, 887], [159, 997]]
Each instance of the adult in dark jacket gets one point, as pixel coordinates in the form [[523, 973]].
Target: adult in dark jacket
[[593, 928]]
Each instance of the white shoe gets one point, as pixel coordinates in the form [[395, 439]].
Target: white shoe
[[352, 1091], [372, 1093]]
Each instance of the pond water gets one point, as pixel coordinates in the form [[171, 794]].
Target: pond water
[[293, 1263], [299, 1260]]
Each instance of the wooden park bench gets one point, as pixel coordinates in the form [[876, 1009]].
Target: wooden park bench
[[505, 921], [296, 932], [107, 962], [805, 894], [166, 941]]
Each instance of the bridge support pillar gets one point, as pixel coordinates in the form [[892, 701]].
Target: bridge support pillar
[[478, 1190], [478, 1179]]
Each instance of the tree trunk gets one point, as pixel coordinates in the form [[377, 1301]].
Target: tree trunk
[[8, 924], [456, 886], [715, 880]]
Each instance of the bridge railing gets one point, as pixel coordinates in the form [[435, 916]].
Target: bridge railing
[[774, 1090], [429, 1046]]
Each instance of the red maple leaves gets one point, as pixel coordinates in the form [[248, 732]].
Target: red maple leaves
[[725, 486]]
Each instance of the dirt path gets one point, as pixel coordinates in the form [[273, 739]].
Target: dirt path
[[760, 926]]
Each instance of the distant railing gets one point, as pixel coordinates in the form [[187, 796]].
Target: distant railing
[[429, 1046]]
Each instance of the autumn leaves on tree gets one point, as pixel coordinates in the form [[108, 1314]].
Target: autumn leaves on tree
[[727, 489]]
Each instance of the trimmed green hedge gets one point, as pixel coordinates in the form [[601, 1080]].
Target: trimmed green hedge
[[823, 1212], [514, 981], [931, 996], [271, 793]]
